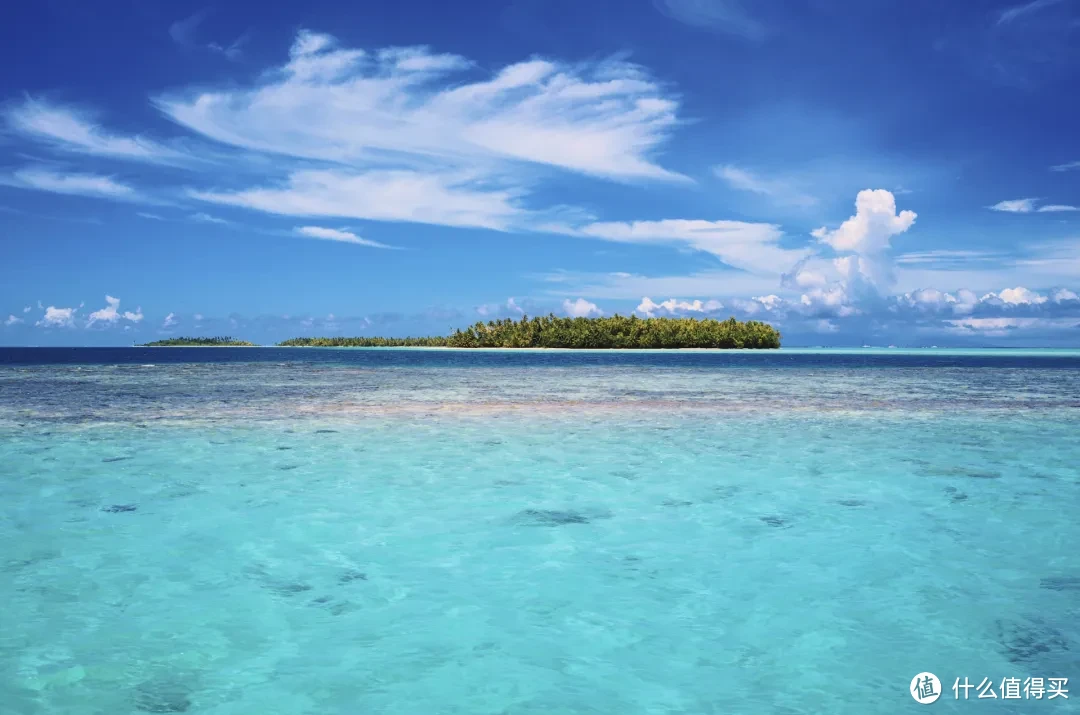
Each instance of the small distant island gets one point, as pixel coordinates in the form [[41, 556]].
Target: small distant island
[[216, 342], [615, 332]]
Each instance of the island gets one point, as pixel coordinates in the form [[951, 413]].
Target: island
[[216, 342], [614, 332]]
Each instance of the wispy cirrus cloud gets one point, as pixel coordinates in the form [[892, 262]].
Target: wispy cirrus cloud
[[782, 192], [1026, 206], [1017, 11], [94, 185], [726, 16], [390, 195], [77, 130], [1068, 166], [335, 234], [392, 134], [185, 34], [1015, 206], [752, 247], [352, 106], [201, 217]]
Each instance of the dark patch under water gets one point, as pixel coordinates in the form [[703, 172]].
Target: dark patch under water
[[119, 508], [162, 697], [774, 521], [352, 575], [551, 517], [851, 502], [326, 431], [1061, 583], [107, 460], [1026, 641]]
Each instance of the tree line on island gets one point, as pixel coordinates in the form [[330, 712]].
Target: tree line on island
[[582, 333], [215, 342]]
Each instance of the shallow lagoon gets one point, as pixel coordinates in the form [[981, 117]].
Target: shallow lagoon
[[399, 531]]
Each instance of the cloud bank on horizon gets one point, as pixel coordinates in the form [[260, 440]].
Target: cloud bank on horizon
[[346, 145]]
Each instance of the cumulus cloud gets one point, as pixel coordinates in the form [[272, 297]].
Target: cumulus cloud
[[12, 320], [869, 231], [26, 309], [675, 307], [334, 234], [581, 308], [57, 318], [170, 321], [111, 314]]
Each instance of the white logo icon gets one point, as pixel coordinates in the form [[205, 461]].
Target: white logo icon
[[925, 688]]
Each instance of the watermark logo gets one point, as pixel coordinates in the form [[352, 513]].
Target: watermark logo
[[925, 688]]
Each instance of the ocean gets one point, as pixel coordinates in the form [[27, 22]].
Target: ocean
[[409, 531]]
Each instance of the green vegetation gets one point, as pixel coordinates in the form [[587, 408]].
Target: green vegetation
[[217, 342], [435, 342], [583, 333]]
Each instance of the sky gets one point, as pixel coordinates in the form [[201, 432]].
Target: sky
[[870, 173]]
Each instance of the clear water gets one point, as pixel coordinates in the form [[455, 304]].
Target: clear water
[[329, 531]]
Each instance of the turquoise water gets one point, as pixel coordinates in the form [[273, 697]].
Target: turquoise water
[[316, 535]]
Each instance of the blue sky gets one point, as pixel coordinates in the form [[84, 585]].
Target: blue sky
[[880, 172]]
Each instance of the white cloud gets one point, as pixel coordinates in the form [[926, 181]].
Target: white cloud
[[334, 234], [1011, 13], [152, 217], [111, 314], [752, 247], [353, 107], [726, 16], [75, 130], [183, 33], [77, 184], [581, 308], [947, 256], [1001, 327], [1057, 207], [170, 321], [1016, 206], [875, 222], [26, 309], [495, 309], [1015, 296], [866, 238], [58, 318], [1066, 167], [207, 218], [630, 286], [398, 195], [779, 191], [673, 306], [1063, 295], [12, 320]]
